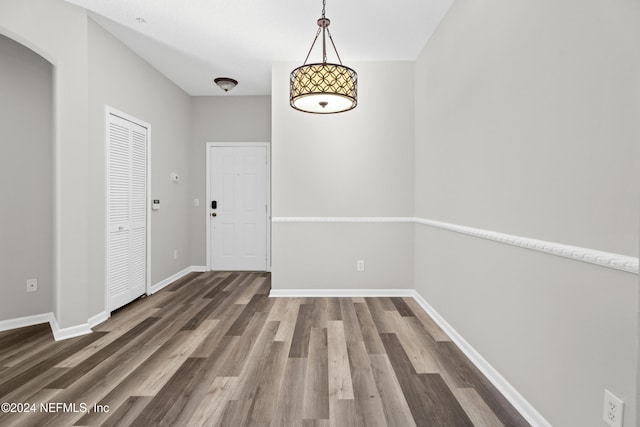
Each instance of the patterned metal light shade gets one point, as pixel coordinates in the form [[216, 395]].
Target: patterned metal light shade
[[323, 88]]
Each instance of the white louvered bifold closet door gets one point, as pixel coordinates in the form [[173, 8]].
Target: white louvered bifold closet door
[[126, 211]]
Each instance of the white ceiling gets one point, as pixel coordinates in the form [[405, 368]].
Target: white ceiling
[[193, 41]]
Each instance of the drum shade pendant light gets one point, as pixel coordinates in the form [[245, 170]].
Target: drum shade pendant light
[[323, 88]]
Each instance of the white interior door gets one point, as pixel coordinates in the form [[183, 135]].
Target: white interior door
[[126, 211], [238, 208]]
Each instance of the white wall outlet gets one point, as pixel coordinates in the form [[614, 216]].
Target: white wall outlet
[[360, 265], [32, 285], [196, 202], [613, 409], [175, 254]]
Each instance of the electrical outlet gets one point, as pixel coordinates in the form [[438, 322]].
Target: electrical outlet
[[196, 202], [32, 285], [360, 265], [175, 254], [613, 409]]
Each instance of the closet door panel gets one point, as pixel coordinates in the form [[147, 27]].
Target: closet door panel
[[138, 184], [126, 211]]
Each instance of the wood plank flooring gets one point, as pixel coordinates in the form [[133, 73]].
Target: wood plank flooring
[[212, 349]]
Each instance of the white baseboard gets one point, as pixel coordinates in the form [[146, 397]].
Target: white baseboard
[[70, 332], [508, 391], [58, 333], [23, 322], [180, 274], [98, 318], [339, 293], [84, 328]]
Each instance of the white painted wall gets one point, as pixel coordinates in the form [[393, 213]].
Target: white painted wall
[[526, 123], [355, 164], [121, 79], [26, 175], [37, 24], [219, 119]]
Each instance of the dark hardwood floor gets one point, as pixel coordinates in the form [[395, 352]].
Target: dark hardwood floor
[[212, 349]]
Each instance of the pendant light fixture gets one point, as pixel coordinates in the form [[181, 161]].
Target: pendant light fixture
[[325, 87]]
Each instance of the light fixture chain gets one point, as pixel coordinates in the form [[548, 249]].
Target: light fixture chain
[[324, 44], [334, 48], [324, 37], [311, 48]]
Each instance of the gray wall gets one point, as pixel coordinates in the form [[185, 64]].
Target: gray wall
[[26, 180], [219, 119], [37, 24], [526, 123], [355, 164], [93, 69], [122, 80]]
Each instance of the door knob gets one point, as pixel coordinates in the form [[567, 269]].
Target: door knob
[[213, 214]]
